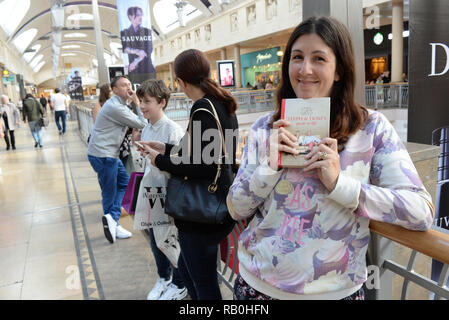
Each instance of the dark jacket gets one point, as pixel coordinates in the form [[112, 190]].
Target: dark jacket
[[201, 169], [32, 110]]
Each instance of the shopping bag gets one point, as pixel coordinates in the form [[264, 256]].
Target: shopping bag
[[229, 246], [150, 206], [167, 241], [150, 213], [130, 198]]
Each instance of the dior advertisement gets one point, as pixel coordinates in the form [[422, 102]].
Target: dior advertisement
[[135, 33], [428, 69], [428, 92]]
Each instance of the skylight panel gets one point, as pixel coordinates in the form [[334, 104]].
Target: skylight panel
[[12, 13], [23, 40], [167, 17]]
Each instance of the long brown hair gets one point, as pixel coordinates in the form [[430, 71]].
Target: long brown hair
[[193, 67], [347, 116], [104, 93]]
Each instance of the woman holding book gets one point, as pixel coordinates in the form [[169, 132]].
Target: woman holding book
[[197, 263], [309, 232]]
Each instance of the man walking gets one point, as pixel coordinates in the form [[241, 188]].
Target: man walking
[[43, 102], [11, 117], [58, 102], [32, 110], [103, 150]]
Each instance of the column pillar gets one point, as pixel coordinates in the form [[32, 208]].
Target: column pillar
[[102, 70], [237, 71], [397, 46], [350, 13], [171, 69], [223, 53]]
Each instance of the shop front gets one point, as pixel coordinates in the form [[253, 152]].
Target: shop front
[[261, 67]]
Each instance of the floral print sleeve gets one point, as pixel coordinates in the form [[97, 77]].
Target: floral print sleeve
[[255, 179], [394, 192]]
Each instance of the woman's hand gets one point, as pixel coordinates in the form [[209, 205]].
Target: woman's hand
[[280, 140], [326, 159], [151, 149], [155, 145]]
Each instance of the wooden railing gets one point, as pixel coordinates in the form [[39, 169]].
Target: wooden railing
[[431, 243]]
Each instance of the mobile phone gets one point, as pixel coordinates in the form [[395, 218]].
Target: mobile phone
[[139, 144]]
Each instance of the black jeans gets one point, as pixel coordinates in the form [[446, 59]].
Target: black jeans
[[197, 263], [164, 267], [13, 140]]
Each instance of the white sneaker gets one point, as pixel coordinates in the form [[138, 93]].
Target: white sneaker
[[122, 233], [158, 290], [109, 227], [174, 293]]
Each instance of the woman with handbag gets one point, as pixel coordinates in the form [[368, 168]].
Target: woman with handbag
[[198, 180]]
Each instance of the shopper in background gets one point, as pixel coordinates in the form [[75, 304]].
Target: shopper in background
[[58, 103], [105, 94], [43, 102], [199, 242], [154, 96], [11, 118], [310, 229], [32, 111], [103, 150]]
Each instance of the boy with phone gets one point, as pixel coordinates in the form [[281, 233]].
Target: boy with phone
[[154, 96]]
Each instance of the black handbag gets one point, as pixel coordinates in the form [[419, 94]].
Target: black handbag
[[43, 121], [201, 200]]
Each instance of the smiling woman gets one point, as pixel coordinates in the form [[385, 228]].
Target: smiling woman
[[309, 232]]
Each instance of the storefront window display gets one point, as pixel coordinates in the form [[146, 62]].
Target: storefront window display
[[261, 67]]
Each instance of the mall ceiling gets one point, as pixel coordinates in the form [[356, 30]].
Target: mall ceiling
[[82, 50]]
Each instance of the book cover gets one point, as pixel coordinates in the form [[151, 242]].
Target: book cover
[[309, 119]]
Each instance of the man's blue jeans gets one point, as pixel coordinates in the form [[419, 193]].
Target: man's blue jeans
[[113, 180], [62, 115], [36, 131]]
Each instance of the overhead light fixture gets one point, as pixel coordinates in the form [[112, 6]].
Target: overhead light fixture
[[58, 12], [280, 53], [68, 54], [405, 34], [81, 16], [179, 10], [75, 35], [71, 46]]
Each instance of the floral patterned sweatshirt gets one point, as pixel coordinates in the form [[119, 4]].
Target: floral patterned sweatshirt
[[307, 243]]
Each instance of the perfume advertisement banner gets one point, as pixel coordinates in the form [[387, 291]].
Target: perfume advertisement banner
[[428, 69], [137, 43]]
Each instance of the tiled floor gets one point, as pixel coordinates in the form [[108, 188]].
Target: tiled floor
[[52, 244]]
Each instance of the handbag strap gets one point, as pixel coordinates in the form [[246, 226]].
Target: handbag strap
[[213, 186]]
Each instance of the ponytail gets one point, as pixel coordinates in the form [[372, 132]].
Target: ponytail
[[192, 66], [211, 88]]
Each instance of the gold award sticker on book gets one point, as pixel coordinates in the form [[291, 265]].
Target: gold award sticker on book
[[284, 187]]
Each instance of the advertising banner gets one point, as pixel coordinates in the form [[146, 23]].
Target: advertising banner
[[137, 43], [75, 85], [428, 92], [428, 69], [226, 73]]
